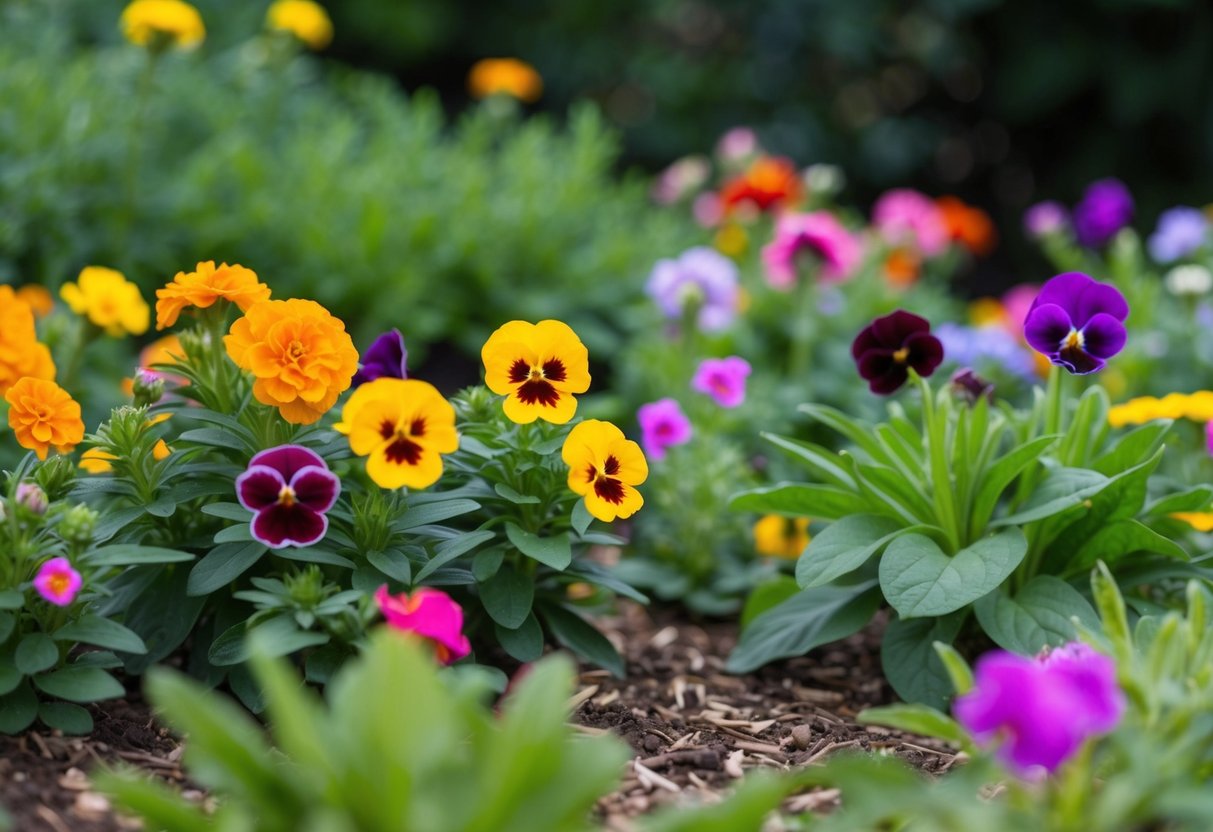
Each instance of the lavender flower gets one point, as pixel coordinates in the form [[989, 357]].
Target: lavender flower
[[1077, 322], [1180, 232], [1105, 208], [701, 276], [1045, 218]]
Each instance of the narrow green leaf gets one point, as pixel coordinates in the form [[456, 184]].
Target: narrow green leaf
[[578, 635], [822, 502], [224, 564]]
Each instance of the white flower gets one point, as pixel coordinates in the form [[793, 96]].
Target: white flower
[[1189, 280]]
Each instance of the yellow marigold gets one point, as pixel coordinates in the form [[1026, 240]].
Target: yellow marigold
[[509, 76], [605, 467], [301, 357], [538, 368], [43, 415], [160, 23], [97, 461], [402, 426], [1196, 406], [781, 537], [20, 353], [304, 19], [1202, 521], [107, 299], [38, 298], [206, 285]]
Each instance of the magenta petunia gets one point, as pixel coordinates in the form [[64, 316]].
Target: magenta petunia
[[58, 582], [431, 614], [288, 488], [889, 347], [723, 379], [905, 216], [1077, 322], [818, 237], [662, 425], [385, 358]]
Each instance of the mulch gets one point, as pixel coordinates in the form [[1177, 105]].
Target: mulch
[[694, 729]]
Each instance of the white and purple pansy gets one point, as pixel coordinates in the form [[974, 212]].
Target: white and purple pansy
[[1077, 322], [288, 489]]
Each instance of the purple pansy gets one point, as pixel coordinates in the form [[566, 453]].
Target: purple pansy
[[1105, 208], [1077, 322], [886, 349], [662, 425], [385, 358], [723, 379], [1180, 232], [288, 489], [1041, 709], [701, 276]]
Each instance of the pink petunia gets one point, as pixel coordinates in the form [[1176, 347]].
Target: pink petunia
[[662, 425], [58, 582], [817, 235], [905, 216], [431, 614], [723, 379]]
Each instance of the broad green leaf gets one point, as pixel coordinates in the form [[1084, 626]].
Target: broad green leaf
[[555, 550], [581, 517], [222, 565], [80, 684], [128, 554], [10, 676], [767, 595], [1197, 498], [1037, 616], [821, 502], [11, 599], [843, 547], [395, 564], [8, 623], [18, 709], [578, 635], [101, 632], [507, 597], [919, 580], [524, 643], [279, 636], [916, 719], [35, 653], [1062, 488], [910, 662], [1114, 541], [68, 718]]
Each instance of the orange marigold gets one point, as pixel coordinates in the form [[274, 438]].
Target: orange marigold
[[204, 286], [20, 353], [508, 76], [42, 415], [39, 299], [300, 355]]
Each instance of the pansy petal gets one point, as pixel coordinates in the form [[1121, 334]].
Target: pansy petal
[[316, 487], [893, 329], [1062, 290], [259, 487], [926, 353], [1103, 336], [1078, 361], [288, 459], [1100, 298], [293, 525], [1046, 327]]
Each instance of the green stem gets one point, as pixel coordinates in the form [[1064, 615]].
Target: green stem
[[805, 302], [942, 487]]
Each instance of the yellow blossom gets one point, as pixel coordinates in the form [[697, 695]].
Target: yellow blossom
[[1202, 521], [307, 21], [605, 467], [109, 300], [1198, 407], [159, 23], [781, 537], [507, 76]]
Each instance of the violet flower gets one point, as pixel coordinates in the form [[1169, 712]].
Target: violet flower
[[818, 235], [288, 488], [385, 358], [723, 379], [1105, 208], [1041, 710], [662, 425], [1077, 322], [1180, 232], [886, 349], [701, 276]]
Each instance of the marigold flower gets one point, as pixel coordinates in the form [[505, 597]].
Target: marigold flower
[[97, 461], [158, 23], [723, 379], [663, 425], [833, 250], [605, 467], [205, 286], [21, 355], [431, 614], [538, 368], [967, 225], [307, 21], [386, 358], [109, 300], [43, 415], [301, 357], [402, 426], [770, 183], [38, 298], [890, 346], [781, 537], [508, 76], [288, 488], [1077, 322], [57, 582]]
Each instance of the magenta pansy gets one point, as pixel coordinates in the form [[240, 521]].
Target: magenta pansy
[[288, 488]]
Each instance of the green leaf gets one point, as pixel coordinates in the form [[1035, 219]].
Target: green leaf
[[1062, 488], [1037, 616], [1114, 541], [114, 521], [916, 719], [429, 513], [10, 676], [821, 502], [240, 533], [919, 580], [581, 517], [101, 632], [222, 565], [11, 599], [161, 613], [911, 663], [843, 547], [129, 554], [8, 622], [80, 684], [806, 620], [507, 597], [229, 511], [575, 633], [1134, 447], [68, 718], [605, 577], [486, 563], [767, 595], [524, 643], [959, 672], [278, 636], [395, 564], [313, 554], [514, 497], [994, 480], [449, 550], [36, 652], [555, 551], [821, 461], [1192, 499], [18, 710]]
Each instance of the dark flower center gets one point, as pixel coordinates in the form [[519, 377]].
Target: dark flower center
[[605, 485], [403, 450], [534, 383]]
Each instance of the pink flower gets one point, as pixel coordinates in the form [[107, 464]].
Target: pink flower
[[818, 236], [431, 614], [58, 582], [723, 379], [662, 425], [906, 216], [707, 210], [737, 145], [31, 496], [1017, 302]]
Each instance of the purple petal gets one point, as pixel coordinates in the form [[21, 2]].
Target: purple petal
[[864, 341], [926, 353], [1046, 327], [1062, 290], [385, 358], [259, 487], [893, 329], [293, 525], [1103, 336], [1077, 360], [287, 460], [316, 487], [1101, 299]]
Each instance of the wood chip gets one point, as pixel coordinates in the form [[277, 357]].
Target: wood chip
[[652, 780], [578, 699], [732, 764]]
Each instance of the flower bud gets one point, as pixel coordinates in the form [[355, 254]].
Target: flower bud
[[77, 524], [32, 498], [148, 388], [57, 476]]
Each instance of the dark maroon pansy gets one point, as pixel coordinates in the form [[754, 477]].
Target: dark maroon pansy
[[385, 358], [972, 387], [889, 347], [288, 489], [1077, 322]]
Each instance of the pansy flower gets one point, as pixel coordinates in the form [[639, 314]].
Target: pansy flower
[[889, 347], [57, 582], [385, 358], [663, 425], [431, 614], [723, 379], [1077, 322], [538, 368], [402, 426], [605, 467], [288, 489]]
